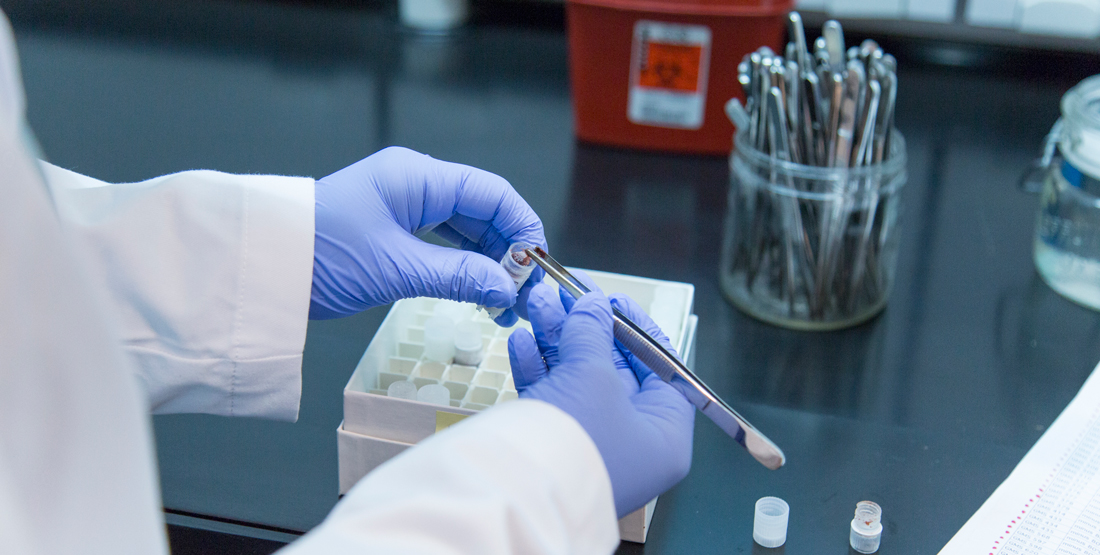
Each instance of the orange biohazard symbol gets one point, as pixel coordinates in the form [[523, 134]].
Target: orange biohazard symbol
[[671, 66]]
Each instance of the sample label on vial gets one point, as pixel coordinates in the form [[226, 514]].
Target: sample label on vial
[[668, 74]]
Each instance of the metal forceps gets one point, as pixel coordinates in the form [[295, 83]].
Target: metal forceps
[[670, 369]]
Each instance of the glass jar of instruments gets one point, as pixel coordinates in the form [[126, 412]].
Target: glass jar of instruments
[[817, 170], [810, 247]]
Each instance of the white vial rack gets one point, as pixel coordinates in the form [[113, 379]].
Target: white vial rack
[[476, 379], [378, 426]]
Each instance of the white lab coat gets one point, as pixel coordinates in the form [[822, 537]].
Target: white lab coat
[[189, 293]]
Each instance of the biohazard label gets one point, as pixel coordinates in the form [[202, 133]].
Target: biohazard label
[[668, 74]]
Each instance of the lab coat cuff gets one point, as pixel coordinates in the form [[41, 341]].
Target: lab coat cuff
[[573, 462], [275, 276], [548, 453], [521, 477], [265, 388]]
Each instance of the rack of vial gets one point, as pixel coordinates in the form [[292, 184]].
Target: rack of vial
[[456, 347], [452, 355], [433, 362]]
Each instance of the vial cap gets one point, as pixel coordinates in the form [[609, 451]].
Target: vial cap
[[402, 390], [769, 527], [456, 311], [435, 394], [439, 326], [439, 339], [468, 336]]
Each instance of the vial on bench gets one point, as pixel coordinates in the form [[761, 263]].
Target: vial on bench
[[866, 527], [769, 525], [519, 266]]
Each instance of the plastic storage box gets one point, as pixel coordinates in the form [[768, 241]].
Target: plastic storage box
[[655, 74], [377, 428]]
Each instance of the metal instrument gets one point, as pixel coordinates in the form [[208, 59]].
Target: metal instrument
[[826, 95], [815, 243], [669, 368]]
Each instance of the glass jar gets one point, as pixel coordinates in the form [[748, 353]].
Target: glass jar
[[1067, 233], [810, 247]]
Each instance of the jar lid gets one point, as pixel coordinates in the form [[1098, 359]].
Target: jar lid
[[1079, 142]]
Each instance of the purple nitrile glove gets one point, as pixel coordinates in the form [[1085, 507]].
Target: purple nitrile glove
[[365, 253], [641, 425]]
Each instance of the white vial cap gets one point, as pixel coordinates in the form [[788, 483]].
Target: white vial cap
[[769, 527], [434, 394], [468, 336], [468, 344], [402, 390], [866, 527], [454, 310], [439, 339]]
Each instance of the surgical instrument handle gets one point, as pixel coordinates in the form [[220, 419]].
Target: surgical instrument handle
[[670, 369]]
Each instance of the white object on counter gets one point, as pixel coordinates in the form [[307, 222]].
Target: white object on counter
[[433, 15], [885, 9], [1052, 493], [991, 13], [769, 526], [1064, 18], [931, 10], [866, 531], [811, 5]]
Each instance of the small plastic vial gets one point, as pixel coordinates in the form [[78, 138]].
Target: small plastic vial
[[434, 394], [866, 527], [439, 339], [769, 526], [454, 310], [468, 345], [519, 266], [402, 390]]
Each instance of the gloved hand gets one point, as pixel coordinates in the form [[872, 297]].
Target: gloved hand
[[365, 253], [641, 425]]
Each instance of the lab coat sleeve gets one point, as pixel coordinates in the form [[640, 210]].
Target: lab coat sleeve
[[522, 477], [208, 276]]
